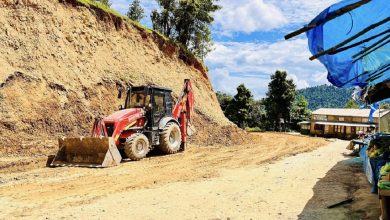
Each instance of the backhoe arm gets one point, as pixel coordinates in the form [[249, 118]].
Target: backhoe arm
[[184, 108]]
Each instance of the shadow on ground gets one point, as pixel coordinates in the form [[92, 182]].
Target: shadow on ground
[[345, 180]]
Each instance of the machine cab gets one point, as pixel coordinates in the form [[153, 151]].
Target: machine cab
[[156, 101]]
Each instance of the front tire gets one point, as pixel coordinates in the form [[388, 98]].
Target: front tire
[[170, 138], [137, 146]]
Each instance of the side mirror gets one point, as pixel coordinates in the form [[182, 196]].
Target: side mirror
[[119, 93]]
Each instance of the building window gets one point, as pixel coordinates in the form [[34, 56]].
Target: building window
[[341, 119], [320, 117]]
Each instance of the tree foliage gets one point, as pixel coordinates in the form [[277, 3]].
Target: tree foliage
[[136, 12], [299, 112], [351, 104], [104, 2], [385, 105], [279, 100], [187, 22], [241, 109], [224, 100], [325, 96], [257, 115], [241, 106]]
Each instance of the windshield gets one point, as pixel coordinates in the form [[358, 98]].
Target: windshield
[[138, 99]]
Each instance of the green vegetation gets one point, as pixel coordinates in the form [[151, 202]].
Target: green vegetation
[[278, 103], [187, 53], [351, 104], [265, 114], [257, 115], [136, 12], [385, 105], [255, 129], [325, 96], [238, 108], [104, 2], [186, 22], [299, 112], [104, 5]]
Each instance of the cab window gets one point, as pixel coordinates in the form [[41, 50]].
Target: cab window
[[139, 100], [159, 102]]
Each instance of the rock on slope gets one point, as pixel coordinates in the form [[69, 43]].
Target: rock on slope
[[61, 64]]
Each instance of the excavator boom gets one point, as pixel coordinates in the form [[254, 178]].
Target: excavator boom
[[183, 110]]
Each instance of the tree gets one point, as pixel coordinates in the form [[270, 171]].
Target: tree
[[351, 104], [187, 22], [104, 2], [299, 112], [278, 103], [240, 106], [164, 21], [256, 109], [385, 105], [136, 12], [256, 115], [224, 100]]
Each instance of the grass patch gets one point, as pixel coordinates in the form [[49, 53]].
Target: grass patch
[[101, 6], [255, 129]]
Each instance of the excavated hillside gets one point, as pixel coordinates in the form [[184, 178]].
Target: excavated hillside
[[62, 63]]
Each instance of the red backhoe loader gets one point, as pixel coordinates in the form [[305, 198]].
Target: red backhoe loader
[[147, 119]]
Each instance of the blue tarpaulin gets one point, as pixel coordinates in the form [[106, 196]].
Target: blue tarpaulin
[[343, 69]]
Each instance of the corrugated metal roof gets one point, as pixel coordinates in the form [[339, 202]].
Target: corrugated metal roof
[[349, 112]]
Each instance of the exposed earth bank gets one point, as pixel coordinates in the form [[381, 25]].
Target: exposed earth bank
[[62, 64]]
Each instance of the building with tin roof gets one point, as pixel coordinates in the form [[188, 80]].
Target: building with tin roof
[[345, 123]]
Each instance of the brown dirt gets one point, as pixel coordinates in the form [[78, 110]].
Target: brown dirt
[[34, 193], [61, 65], [238, 182]]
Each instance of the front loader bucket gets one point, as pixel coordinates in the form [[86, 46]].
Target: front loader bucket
[[87, 152]]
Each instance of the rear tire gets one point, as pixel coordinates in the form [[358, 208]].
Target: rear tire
[[170, 138], [137, 146]]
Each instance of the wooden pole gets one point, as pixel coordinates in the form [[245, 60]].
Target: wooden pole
[[368, 52], [365, 30], [367, 72], [360, 42], [372, 46], [330, 16], [377, 75]]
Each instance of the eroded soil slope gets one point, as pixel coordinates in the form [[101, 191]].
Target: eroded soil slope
[[62, 63]]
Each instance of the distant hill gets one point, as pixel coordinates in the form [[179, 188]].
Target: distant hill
[[325, 96]]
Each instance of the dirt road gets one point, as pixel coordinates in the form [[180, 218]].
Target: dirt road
[[204, 183]]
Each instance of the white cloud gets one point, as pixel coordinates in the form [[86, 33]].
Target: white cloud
[[248, 16], [299, 82], [321, 77], [301, 11], [252, 63]]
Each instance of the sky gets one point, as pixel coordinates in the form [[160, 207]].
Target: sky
[[249, 43]]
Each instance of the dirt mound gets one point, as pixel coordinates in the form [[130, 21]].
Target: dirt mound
[[62, 63]]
